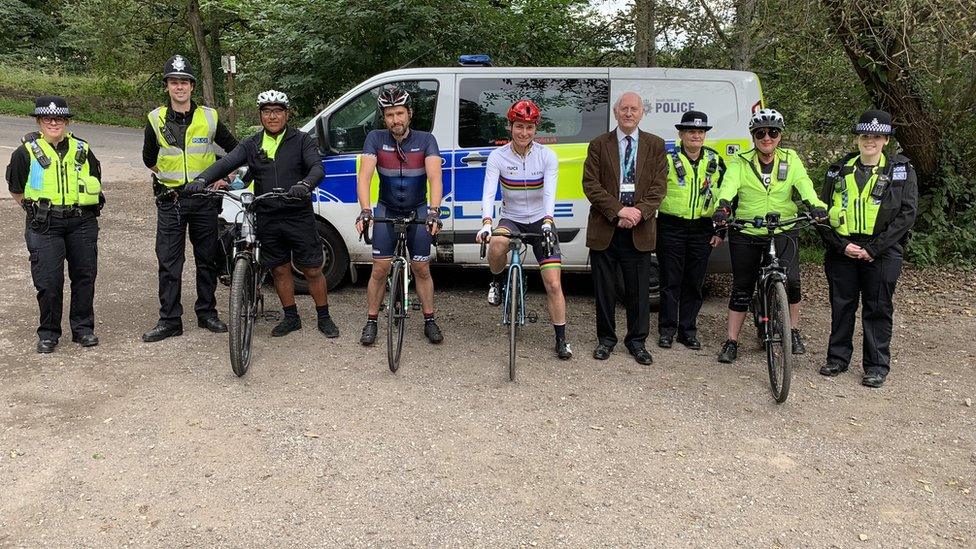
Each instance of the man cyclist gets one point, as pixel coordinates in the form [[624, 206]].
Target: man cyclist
[[528, 173], [279, 156], [762, 180], [406, 161]]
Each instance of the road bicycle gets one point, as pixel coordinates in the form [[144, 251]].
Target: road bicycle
[[513, 311], [397, 283], [770, 306]]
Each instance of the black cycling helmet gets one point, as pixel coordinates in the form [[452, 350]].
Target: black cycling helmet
[[393, 97]]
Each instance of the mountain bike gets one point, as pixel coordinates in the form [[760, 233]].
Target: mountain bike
[[397, 282], [247, 276], [770, 306], [513, 310]]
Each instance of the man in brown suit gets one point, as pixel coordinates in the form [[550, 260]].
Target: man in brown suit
[[624, 178]]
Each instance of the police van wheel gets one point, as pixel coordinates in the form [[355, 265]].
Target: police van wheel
[[335, 263]]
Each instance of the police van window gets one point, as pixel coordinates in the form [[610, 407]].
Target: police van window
[[350, 123], [573, 110]]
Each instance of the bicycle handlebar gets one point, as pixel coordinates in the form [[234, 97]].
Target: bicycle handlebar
[[409, 220], [771, 222], [514, 236], [277, 192]]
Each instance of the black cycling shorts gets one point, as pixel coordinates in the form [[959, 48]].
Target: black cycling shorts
[[292, 238], [553, 261]]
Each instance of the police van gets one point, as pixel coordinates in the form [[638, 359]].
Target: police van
[[465, 106]]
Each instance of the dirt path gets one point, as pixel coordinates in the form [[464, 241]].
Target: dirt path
[[319, 445]]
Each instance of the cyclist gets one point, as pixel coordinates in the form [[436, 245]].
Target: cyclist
[[760, 181], [528, 173], [280, 156], [406, 161], [873, 203]]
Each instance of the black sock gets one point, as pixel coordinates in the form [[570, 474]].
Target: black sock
[[291, 311], [323, 311], [560, 331], [496, 278], [372, 318]]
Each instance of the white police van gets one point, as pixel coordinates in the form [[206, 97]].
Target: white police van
[[464, 107]]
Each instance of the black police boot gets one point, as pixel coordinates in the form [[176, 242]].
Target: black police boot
[[287, 325], [832, 369], [45, 346], [369, 333], [87, 340], [161, 332], [874, 378], [432, 331], [690, 342], [798, 347], [327, 327], [665, 341], [730, 352], [213, 324]]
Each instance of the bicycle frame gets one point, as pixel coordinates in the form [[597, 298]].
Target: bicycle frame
[[400, 257], [516, 248]]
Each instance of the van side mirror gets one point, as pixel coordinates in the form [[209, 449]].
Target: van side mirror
[[322, 136]]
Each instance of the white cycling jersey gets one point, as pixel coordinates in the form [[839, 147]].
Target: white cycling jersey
[[528, 184]]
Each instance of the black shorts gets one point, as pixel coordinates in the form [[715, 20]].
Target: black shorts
[[553, 261], [292, 238]]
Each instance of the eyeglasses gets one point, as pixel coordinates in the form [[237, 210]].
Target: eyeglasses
[[272, 112], [54, 120], [773, 133]]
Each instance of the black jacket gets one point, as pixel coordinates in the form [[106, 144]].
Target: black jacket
[[896, 216], [297, 159]]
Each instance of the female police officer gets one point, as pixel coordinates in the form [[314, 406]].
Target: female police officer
[[873, 201], [56, 178]]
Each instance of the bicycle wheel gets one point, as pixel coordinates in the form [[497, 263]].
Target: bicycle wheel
[[243, 312], [779, 346], [514, 308], [395, 316]]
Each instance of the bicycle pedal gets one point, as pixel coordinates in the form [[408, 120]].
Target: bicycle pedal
[[532, 318], [271, 316], [415, 306]]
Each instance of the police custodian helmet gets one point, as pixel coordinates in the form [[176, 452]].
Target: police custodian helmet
[[178, 67]]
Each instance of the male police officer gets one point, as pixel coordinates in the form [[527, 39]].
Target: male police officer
[[57, 179], [180, 143], [685, 236]]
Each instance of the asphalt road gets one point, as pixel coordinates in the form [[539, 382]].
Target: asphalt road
[[118, 149]]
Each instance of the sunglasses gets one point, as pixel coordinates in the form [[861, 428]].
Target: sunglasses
[[272, 112], [773, 133]]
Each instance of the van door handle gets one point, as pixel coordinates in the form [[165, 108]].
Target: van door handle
[[474, 158]]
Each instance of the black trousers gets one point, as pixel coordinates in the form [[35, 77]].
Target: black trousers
[[622, 256], [873, 284], [683, 247], [74, 239], [173, 220], [747, 251]]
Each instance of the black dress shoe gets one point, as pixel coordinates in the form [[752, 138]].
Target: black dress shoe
[[873, 379], [641, 355], [213, 324], [833, 369], [665, 341], [46, 346], [287, 325], [602, 352], [87, 340], [161, 332], [690, 342]]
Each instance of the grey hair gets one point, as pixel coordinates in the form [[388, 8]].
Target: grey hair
[[616, 104]]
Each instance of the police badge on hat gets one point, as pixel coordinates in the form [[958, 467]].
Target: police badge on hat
[[177, 67], [179, 63]]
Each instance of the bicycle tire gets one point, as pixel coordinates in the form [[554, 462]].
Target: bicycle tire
[[779, 345], [395, 317], [514, 305], [243, 312]]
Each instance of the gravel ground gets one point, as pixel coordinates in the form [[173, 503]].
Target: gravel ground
[[161, 445]]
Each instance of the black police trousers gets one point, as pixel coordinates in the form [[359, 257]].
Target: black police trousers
[[873, 284], [622, 256], [173, 219], [683, 247], [74, 239]]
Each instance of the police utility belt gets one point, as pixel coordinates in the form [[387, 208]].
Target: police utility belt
[[42, 210]]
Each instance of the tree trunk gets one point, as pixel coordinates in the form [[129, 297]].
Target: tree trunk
[[206, 69], [745, 11], [644, 49], [878, 57]]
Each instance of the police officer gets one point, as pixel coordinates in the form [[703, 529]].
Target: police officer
[[685, 236], [873, 202], [57, 179], [181, 141], [281, 157]]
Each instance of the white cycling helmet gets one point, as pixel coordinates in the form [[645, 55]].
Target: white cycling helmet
[[766, 118], [272, 97]]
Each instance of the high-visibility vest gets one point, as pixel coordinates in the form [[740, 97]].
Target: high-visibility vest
[[64, 181], [853, 210], [691, 193], [178, 165]]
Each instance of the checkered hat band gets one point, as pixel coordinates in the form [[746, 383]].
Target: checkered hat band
[[865, 127], [48, 111]]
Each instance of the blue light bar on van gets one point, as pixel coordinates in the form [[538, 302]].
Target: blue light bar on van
[[475, 60]]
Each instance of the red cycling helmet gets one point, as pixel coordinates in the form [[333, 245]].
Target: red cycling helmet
[[524, 111]]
